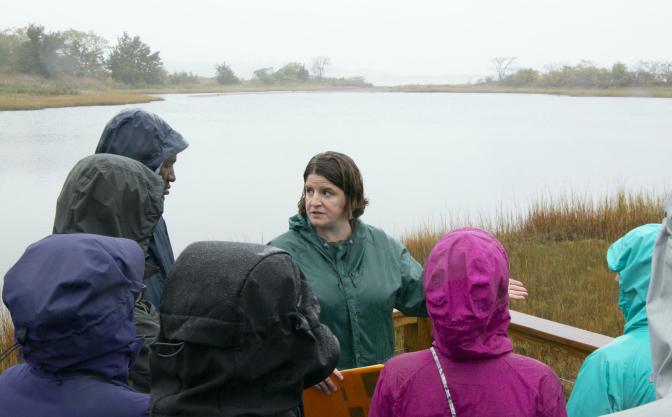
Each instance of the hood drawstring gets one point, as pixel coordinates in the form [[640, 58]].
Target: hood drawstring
[[177, 346], [20, 341]]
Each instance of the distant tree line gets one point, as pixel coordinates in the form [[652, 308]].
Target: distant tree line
[[644, 74], [72, 53], [33, 50], [292, 72]]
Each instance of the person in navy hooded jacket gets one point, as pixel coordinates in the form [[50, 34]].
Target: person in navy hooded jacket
[[71, 299], [147, 138]]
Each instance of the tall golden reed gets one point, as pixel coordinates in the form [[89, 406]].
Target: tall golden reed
[[6, 339], [557, 248]]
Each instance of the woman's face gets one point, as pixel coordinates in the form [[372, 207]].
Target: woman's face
[[325, 203]]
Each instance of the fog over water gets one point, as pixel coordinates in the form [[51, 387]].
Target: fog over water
[[386, 41], [424, 157]]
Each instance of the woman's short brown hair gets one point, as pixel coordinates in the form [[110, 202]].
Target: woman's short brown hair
[[341, 171]]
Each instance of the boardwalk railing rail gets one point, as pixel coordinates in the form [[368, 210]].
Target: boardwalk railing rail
[[417, 333]]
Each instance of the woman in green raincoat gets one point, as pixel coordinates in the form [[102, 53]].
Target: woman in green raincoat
[[358, 273], [616, 377]]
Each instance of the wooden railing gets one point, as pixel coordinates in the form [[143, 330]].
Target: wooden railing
[[417, 333]]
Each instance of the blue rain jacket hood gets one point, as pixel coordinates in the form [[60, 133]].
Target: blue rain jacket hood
[[616, 377], [142, 136], [147, 138], [630, 256], [71, 299]]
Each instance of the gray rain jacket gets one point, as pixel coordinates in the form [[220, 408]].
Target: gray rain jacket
[[659, 312], [659, 307], [116, 196]]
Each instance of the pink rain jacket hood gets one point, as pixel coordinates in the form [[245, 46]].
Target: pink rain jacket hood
[[466, 281]]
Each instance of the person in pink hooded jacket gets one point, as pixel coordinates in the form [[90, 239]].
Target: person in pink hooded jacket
[[470, 369]]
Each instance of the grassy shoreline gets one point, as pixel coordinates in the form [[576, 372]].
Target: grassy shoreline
[[97, 98], [558, 248], [29, 92], [41, 94], [32, 101], [572, 92]]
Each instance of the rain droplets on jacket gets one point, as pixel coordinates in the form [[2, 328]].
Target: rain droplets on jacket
[[240, 334], [72, 295], [466, 283]]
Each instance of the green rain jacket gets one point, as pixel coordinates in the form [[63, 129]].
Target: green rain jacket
[[357, 282], [616, 377]]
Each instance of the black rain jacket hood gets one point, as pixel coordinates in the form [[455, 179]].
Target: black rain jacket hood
[[240, 334], [110, 195]]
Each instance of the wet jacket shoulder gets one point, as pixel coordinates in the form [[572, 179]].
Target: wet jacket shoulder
[[76, 332], [614, 377], [506, 386], [358, 282]]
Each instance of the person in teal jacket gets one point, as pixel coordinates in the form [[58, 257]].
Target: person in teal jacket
[[616, 377]]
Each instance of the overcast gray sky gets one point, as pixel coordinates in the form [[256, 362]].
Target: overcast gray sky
[[387, 41]]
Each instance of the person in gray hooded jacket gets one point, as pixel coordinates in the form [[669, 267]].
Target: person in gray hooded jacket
[[116, 196], [240, 335]]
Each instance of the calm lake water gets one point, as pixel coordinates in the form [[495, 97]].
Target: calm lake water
[[425, 157]]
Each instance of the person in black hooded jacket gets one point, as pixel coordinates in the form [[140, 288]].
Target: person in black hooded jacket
[[116, 196], [147, 138], [240, 335]]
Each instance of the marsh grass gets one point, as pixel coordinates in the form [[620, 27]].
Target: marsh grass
[[661, 92], [85, 98], [6, 339], [557, 248], [28, 92]]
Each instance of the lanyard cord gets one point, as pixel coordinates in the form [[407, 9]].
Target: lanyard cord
[[443, 380]]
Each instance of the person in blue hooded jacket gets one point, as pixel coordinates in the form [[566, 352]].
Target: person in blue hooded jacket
[[71, 300], [616, 377], [147, 138]]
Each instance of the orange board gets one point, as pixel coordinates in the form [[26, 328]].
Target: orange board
[[352, 399]]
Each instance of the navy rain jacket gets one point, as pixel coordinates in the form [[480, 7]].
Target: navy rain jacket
[[147, 138], [71, 299]]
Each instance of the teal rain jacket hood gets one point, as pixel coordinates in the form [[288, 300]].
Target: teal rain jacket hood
[[616, 377]]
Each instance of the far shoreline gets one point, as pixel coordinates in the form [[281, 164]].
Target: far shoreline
[[14, 102]]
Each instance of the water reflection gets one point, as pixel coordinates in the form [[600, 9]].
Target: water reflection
[[424, 157]]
